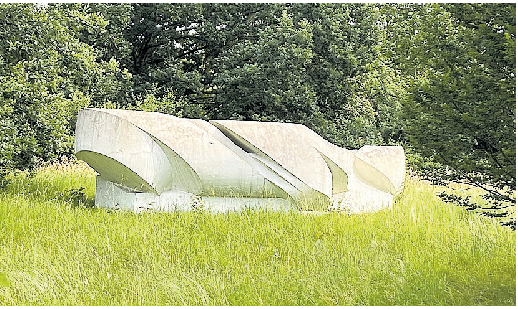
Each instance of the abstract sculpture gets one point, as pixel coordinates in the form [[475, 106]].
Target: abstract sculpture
[[153, 161]]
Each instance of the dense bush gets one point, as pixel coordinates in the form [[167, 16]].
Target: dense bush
[[46, 76]]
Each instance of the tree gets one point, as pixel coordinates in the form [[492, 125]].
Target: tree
[[341, 85], [175, 48], [359, 91], [319, 65], [46, 76], [461, 106], [267, 79]]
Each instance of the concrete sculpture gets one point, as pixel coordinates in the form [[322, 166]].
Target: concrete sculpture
[[152, 161]]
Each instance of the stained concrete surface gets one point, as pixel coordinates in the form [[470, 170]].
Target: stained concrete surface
[[153, 161]]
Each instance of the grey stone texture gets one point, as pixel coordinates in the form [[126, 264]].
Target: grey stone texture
[[153, 161]]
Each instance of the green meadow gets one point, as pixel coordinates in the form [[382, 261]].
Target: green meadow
[[56, 250]]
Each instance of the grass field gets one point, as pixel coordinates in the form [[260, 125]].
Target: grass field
[[420, 252]]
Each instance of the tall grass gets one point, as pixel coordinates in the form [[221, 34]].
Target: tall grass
[[54, 251]]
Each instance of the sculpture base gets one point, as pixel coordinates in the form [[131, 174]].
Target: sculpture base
[[112, 196], [365, 201]]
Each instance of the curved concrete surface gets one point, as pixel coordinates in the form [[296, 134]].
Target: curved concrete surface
[[152, 161]]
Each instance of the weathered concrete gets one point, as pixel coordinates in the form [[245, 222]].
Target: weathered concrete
[[152, 161]]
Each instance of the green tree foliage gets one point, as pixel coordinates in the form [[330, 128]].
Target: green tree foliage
[[267, 79], [460, 111], [46, 76], [175, 48], [316, 64], [320, 65]]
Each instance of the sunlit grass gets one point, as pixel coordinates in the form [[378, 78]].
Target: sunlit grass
[[54, 251]]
